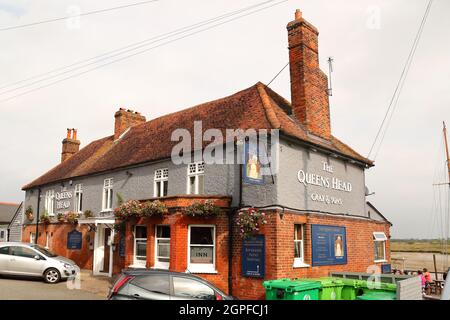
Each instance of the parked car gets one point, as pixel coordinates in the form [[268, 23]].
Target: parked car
[[27, 259], [154, 284]]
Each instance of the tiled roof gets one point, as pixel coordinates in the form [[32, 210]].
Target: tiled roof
[[257, 107], [7, 211]]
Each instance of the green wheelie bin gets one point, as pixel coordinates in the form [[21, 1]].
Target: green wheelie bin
[[330, 288], [287, 289], [382, 295], [351, 289], [380, 287]]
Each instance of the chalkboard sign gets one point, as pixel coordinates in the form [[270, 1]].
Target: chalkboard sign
[[386, 268], [122, 246], [253, 257], [74, 240], [329, 245]]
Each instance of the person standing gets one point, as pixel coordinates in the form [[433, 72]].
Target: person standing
[[422, 279], [428, 280]]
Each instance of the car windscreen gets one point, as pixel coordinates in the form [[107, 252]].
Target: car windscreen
[[44, 251]]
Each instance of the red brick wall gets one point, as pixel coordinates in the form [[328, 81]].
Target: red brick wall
[[58, 243], [279, 233]]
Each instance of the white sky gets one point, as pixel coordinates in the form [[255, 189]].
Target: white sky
[[221, 61]]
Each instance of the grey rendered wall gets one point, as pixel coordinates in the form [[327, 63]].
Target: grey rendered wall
[[15, 228], [294, 194]]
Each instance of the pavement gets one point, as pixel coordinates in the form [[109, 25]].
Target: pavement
[[86, 287]]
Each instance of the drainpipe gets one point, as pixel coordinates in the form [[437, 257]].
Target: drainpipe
[[37, 216]]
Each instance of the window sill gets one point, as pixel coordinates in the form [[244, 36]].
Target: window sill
[[298, 265], [202, 270], [379, 261]]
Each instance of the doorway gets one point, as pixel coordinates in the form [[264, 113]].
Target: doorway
[[103, 255]]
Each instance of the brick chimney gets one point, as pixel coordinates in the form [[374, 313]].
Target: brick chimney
[[126, 119], [309, 83], [70, 145]]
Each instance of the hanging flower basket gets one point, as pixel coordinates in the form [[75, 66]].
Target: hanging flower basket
[[153, 208], [206, 209], [126, 210], [29, 213], [250, 222], [88, 214]]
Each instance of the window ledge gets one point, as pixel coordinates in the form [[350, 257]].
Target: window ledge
[[300, 265], [379, 261], [204, 271]]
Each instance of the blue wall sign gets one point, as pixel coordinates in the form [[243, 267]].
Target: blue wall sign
[[74, 240], [254, 257], [122, 246], [329, 245], [386, 268]]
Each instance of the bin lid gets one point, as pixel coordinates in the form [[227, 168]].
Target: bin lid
[[376, 286], [377, 296], [291, 285], [328, 282]]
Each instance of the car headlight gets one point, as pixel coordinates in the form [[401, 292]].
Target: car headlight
[[67, 266]]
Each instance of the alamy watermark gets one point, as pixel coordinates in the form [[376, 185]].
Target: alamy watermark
[[227, 146]]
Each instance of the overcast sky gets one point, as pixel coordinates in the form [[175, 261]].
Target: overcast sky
[[369, 41]]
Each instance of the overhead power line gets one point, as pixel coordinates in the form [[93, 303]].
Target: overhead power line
[[145, 50], [80, 15], [276, 76], [116, 52], [398, 89]]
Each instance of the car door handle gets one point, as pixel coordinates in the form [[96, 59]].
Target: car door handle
[[136, 295]]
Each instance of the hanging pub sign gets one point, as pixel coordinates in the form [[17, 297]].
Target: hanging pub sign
[[329, 245], [252, 163], [74, 240], [253, 257]]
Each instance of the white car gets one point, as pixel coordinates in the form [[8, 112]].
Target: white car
[[27, 259]]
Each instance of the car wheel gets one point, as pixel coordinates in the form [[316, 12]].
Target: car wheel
[[52, 276]]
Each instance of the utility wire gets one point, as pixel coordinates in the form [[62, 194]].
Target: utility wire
[[276, 76], [400, 83], [122, 50], [142, 51], [80, 15]]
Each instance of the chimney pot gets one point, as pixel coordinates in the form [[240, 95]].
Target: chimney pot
[[74, 134], [70, 145], [298, 14], [68, 133]]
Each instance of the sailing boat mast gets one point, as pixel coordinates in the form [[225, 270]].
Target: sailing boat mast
[[447, 152]]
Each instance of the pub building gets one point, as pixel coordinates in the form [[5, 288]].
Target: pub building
[[314, 204]]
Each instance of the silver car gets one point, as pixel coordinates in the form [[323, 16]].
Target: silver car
[[27, 259]]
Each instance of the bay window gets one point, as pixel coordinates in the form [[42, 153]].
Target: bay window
[[161, 183], [78, 198], [201, 249], [196, 178], [107, 201], [379, 240], [162, 247]]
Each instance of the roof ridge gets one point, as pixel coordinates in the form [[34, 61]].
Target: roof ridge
[[269, 112]]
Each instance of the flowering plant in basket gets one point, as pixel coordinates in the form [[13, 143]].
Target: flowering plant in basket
[[128, 209], [72, 217], [206, 209], [153, 208], [250, 222]]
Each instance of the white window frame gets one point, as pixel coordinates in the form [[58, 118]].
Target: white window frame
[[50, 202], [201, 267], [78, 198], [161, 176], [160, 264], [139, 263], [195, 169], [47, 240], [108, 185], [300, 262], [380, 237], [32, 237]]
